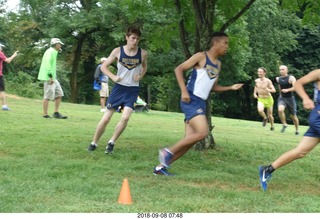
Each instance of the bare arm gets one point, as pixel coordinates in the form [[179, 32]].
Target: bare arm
[[112, 58], [144, 66], [271, 88], [179, 72], [219, 88], [299, 87], [8, 60], [255, 92]]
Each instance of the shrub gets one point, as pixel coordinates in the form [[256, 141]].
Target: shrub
[[23, 85]]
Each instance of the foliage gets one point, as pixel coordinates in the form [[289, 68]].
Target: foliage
[[167, 98], [90, 29], [269, 26], [22, 84], [308, 10]]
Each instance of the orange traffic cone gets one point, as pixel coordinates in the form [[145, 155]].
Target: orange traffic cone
[[125, 197]]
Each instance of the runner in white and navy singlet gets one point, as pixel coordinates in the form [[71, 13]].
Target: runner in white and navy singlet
[[126, 91], [131, 68], [203, 80], [199, 86]]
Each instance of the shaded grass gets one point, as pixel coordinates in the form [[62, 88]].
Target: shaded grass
[[45, 166]]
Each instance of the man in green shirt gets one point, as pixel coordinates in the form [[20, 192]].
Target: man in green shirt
[[47, 74]]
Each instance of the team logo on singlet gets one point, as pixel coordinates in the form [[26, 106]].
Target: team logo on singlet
[[212, 71], [130, 63]]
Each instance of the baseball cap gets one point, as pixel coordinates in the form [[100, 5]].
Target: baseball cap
[[103, 59], [1, 45], [55, 41]]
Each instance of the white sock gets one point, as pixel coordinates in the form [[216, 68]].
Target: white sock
[[159, 167], [94, 144]]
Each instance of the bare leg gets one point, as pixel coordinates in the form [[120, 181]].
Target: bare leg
[[103, 102], [102, 125], [260, 107], [45, 106], [303, 148], [270, 115], [196, 130], [282, 115], [295, 122], [3, 98], [57, 102], [122, 124]]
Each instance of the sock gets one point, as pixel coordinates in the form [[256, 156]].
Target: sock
[[111, 142], [94, 144], [270, 169]]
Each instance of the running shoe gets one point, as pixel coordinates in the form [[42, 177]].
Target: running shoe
[[264, 122], [283, 128], [165, 157], [162, 171], [109, 148], [92, 147], [5, 107], [58, 115], [264, 176]]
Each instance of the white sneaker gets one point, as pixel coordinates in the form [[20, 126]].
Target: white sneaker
[[5, 107], [103, 110]]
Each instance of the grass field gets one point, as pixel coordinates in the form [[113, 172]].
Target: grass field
[[45, 165]]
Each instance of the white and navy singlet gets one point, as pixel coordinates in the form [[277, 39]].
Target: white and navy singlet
[[128, 67], [201, 80]]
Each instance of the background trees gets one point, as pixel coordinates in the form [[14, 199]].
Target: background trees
[[262, 33]]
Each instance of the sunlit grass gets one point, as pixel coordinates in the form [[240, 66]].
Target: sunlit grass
[[45, 166]]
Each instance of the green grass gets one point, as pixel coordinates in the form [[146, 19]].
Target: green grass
[[45, 166]]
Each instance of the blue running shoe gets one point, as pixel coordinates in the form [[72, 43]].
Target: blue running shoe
[[264, 176], [162, 171], [165, 157]]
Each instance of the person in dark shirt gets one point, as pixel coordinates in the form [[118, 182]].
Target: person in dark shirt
[[286, 99]]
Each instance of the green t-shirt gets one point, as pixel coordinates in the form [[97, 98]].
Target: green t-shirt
[[48, 65]]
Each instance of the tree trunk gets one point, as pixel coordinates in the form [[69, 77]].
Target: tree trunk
[[74, 85]]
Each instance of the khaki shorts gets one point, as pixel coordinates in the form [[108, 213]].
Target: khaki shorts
[[52, 91], [104, 92]]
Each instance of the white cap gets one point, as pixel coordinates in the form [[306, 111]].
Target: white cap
[[103, 59], [55, 41], [1, 45]]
